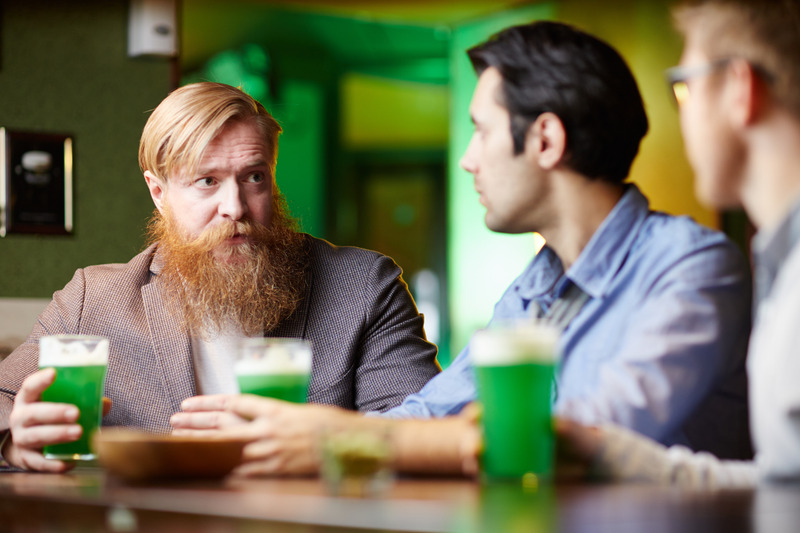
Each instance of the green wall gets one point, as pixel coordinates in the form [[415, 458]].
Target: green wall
[[64, 69], [301, 153], [642, 32], [481, 264]]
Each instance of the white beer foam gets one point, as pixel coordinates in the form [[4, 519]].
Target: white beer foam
[[514, 345], [281, 360], [72, 350]]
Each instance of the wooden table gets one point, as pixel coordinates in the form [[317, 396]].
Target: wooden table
[[88, 500]]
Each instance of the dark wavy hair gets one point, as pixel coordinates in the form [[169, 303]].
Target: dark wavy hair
[[554, 67]]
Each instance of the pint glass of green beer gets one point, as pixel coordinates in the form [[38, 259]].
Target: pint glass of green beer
[[80, 363], [274, 367], [514, 366]]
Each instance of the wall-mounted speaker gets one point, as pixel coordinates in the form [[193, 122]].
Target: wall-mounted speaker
[[152, 28]]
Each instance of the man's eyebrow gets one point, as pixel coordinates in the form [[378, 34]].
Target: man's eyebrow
[[260, 162]]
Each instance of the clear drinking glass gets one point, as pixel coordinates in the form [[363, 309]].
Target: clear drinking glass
[[274, 367], [80, 363], [514, 366]]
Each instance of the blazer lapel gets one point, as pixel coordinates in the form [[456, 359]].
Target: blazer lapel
[[171, 343], [295, 325]]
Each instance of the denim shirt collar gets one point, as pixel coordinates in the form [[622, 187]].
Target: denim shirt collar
[[600, 260]]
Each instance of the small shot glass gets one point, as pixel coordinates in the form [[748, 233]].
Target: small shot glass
[[357, 463]]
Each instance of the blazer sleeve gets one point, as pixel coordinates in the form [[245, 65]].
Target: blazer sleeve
[[396, 358], [61, 316]]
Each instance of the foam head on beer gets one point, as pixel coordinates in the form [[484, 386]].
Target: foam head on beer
[[514, 343], [72, 350], [273, 357]]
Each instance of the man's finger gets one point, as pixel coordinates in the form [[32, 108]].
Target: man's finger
[[472, 412], [35, 461], [39, 436], [260, 450], [184, 432], [257, 469], [205, 420], [34, 385], [45, 413], [211, 402], [249, 406], [243, 432], [276, 464]]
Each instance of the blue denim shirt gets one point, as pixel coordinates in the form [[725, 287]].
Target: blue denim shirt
[[659, 347]]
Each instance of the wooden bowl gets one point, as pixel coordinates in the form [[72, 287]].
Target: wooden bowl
[[138, 456]]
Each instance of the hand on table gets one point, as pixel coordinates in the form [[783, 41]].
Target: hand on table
[[577, 446], [34, 424], [285, 435]]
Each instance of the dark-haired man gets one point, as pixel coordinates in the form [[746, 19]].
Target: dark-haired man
[[654, 308], [658, 345]]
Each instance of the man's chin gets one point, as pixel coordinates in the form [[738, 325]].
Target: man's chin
[[716, 196]]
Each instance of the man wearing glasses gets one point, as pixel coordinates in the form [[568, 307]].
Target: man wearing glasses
[[654, 309], [740, 116]]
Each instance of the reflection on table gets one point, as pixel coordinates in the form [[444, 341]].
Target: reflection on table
[[90, 500]]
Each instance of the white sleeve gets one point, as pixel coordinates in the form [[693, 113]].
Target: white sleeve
[[628, 456], [773, 367]]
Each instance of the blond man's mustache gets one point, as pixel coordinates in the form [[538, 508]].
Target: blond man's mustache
[[216, 235]]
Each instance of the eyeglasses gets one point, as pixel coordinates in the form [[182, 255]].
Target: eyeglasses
[[678, 76]]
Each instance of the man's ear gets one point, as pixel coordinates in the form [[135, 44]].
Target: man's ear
[[157, 188], [747, 93], [546, 140]]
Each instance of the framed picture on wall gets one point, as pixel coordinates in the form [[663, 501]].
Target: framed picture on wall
[[35, 183]]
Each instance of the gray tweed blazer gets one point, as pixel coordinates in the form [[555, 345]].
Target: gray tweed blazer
[[369, 347]]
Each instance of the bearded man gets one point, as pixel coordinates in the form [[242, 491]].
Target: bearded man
[[225, 262]]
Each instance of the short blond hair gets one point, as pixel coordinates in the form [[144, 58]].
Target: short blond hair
[[766, 33], [185, 122]]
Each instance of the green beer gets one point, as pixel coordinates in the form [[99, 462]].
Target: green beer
[[517, 426], [80, 386], [80, 365], [514, 369], [274, 367], [287, 387]]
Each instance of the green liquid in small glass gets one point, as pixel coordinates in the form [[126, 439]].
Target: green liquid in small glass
[[287, 387], [81, 386]]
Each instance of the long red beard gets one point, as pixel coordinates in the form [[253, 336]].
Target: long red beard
[[214, 285]]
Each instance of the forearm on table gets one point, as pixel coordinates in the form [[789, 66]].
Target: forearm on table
[[627, 456], [445, 445]]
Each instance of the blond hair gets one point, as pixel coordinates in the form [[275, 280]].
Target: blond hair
[[185, 122], [765, 33]]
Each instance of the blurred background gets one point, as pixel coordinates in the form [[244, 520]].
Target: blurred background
[[373, 98]]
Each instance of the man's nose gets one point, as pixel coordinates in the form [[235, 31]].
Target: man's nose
[[468, 160], [232, 203]]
